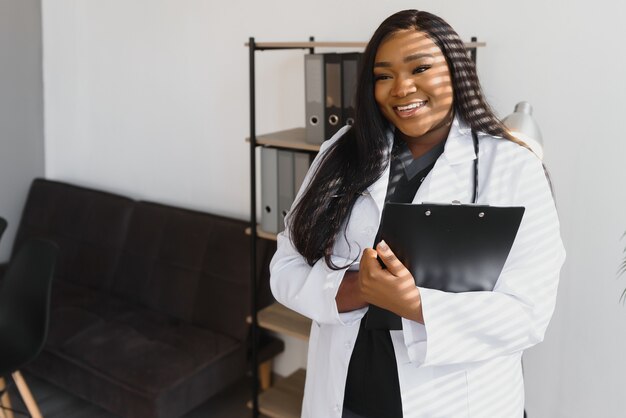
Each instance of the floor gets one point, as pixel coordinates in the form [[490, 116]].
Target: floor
[[57, 403]]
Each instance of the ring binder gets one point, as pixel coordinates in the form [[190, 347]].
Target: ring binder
[[323, 96]]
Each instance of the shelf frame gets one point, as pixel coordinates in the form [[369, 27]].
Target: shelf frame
[[253, 47], [254, 328]]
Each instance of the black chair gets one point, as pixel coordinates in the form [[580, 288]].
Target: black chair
[[24, 312]]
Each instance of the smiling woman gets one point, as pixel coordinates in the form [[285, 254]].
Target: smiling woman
[[359, 156], [413, 89], [420, 115]]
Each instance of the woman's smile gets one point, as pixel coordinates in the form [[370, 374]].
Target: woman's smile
[[410, 109]]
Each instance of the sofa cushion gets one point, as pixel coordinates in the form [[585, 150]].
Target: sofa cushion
[[89, 227], [130, 358], [191, 265]]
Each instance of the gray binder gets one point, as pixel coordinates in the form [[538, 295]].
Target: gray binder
[[301, 165], [269, 189], [285, 185], [323, 96], [334, 108], [282, 174], [349, 76]]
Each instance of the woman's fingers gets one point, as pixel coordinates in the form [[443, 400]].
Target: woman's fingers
[[369, 253], [369, 265], [392, 288], [394, 266]]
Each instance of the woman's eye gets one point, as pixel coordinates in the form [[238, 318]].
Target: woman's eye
[[380, 77], [421, 69]]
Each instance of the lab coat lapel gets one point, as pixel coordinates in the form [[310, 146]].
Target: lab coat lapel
[[378, 190], [452, 176], [450, 179]]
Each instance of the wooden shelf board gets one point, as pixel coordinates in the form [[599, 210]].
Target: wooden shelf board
[[469, 45], [278, 318], [334, 44], [314, 44], [290, 138], [261, 233], [284, 399]]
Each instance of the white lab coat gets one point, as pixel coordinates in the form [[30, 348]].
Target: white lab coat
[[465, 361]]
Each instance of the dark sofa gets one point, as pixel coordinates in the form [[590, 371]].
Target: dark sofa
[[149, 302]]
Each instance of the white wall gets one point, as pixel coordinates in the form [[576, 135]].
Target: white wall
[[21, 110], [150, 98]]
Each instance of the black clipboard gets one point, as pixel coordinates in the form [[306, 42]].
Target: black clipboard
[[454, 248]]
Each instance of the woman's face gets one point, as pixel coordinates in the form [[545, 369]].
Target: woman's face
[[413, 87]]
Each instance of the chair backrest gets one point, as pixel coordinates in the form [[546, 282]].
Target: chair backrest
[[25, 303], [3, 225]]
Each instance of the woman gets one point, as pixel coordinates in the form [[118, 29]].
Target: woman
[[458, 354]]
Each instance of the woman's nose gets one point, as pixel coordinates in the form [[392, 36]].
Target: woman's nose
[[403, 87]]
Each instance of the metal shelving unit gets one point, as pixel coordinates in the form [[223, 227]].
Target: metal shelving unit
[[289, 139]]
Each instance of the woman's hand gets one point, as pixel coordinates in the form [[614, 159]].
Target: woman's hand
[[349, 296], [392, 289]]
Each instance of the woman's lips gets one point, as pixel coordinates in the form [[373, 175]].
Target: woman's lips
[[409, 109]]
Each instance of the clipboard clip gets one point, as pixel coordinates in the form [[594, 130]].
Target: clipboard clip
[[458, 203]]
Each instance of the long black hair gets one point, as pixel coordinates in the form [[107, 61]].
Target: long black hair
[[359, 157]]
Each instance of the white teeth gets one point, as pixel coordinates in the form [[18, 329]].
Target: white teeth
[[410, 106]]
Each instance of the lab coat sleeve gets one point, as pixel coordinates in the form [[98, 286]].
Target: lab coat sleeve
[[309, 290], [476, 326]]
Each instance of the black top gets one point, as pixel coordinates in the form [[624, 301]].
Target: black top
[[372, 386]]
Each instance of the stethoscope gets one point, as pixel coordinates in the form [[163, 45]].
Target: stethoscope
[[475, 139]]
